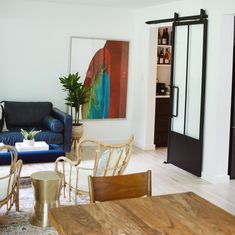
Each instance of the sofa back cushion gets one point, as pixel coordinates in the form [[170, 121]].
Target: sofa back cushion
[[25, 114]]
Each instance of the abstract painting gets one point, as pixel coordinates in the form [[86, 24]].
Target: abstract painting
[[103, 67]]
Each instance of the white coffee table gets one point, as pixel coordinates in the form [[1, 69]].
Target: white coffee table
[[37, 146]]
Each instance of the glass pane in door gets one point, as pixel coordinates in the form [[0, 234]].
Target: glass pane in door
[[179, 77], [194, 81]]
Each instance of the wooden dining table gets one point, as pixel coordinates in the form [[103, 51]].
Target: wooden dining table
[[173, 214]]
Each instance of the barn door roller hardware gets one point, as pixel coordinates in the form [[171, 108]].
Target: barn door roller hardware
[[176, 18]]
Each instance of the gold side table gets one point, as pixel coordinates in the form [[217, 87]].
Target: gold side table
[[47, 186]]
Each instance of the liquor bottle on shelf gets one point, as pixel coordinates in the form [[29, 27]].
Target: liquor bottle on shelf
[[158, 56], [167, 56], [164, 37], [167, 37], [161, 56], [159, 38]]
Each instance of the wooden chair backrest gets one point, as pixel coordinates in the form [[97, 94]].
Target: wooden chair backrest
[[107, 188], [109, 159]]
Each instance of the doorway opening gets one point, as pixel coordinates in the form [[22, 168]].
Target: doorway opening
[[163, 84]]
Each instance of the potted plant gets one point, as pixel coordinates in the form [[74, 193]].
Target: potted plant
[[29, 136], [77, 94]]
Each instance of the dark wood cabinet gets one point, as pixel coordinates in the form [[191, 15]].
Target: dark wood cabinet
[[161, 121]]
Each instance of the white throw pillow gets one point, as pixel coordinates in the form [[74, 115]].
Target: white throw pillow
[[1, 116]]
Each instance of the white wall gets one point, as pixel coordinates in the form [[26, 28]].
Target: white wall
[[34, 52], [218, 83]]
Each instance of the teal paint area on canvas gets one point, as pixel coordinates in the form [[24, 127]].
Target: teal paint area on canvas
[[100, 96]]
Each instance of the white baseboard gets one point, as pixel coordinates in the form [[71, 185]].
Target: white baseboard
[[145, 147], [216, 179]]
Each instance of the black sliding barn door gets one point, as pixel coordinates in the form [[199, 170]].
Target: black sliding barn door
[[185, 139], [188, 74]]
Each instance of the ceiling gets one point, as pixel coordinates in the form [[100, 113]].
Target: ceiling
[[134, 4]]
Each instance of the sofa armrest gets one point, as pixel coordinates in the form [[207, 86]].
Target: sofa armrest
[[67, 121]]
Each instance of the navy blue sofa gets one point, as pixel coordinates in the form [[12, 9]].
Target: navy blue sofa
[[55, 125]]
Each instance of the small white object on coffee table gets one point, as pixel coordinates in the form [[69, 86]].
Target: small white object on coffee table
[[38, 146]]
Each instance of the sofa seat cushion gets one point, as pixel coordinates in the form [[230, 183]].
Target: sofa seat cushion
[[50, 137], [11, 137]]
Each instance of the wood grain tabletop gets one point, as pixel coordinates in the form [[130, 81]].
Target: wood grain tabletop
[[173, 214]]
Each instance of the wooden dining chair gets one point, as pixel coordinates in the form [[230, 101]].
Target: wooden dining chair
[[107, 188]]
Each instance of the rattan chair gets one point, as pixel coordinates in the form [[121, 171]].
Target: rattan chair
[[108, 188], [9, 183], [93, 158]]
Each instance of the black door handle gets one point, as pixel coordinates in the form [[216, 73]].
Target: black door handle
[[177, 100]]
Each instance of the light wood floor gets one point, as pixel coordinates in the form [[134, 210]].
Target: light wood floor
[[167, 178]]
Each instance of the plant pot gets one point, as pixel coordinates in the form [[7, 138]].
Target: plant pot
[[77, 132], [28, 142]]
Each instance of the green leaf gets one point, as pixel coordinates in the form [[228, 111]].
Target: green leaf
[[77, 92], [29, 135]]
